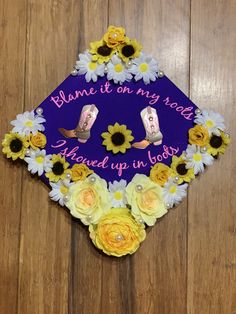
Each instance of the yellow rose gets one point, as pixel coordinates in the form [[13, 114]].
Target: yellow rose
[[198, 135], [114, 36], [89, 199], [160, 173], [80, 172], [145, 198], [38, 140], [117, 233]]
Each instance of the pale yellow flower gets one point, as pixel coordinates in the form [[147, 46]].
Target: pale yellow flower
[[89, 199], [117, 233], [145, 198]]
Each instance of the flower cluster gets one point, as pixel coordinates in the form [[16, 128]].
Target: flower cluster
[[117, 214], [117, 56], [206, 141]]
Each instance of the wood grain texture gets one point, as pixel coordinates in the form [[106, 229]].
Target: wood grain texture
[[187, 264]]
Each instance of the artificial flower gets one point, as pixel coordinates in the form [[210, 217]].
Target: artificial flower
[[129, 49], [38, 161], [174, 193], [145, 67], [114, 36], [213, 121], [14, 145], [180, 170], [59, 168], [160, 173], [117, 233], [198, 135], [145, 198], [196, 159], [100, 51], [117, 71], [218, 143], [89, 199], [117, 190], [90, 68], [118, 138], [37, 140], [80, 172], [59, 190], [28, 122]]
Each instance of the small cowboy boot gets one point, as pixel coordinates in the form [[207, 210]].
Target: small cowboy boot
[[82, 131], [151, 125]]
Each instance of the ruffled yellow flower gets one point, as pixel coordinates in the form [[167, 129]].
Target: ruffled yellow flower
[[178, 166], [218, 144], [129, 49], [198, 135], [117, 233], [118, 138], [80, 172], [101, 53], [14, 145], [145, 198], [160, 173], [114, 36], [59, 169], [89, 199], [38, 140]]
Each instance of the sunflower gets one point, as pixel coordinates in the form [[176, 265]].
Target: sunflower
[[15, 145], [58, 169], [180, 170], [217, 144], [118, 138], [129, 50], [100, 51]]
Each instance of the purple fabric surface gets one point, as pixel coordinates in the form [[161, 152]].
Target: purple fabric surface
[[174, 109]]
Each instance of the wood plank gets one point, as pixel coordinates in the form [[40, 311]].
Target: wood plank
[[155, 275], [12, 72], [212, 216], [45, 242], [87, 286]]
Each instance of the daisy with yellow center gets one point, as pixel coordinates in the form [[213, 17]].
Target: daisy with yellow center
[[59, 169], [118, 138], [180, 170], [100, 51], [117, 71], [197, 158], [117, 191], [15, 145], [145, 67], [217, 144], [129, 50], [59, 191], [38, 161], [173, 193]]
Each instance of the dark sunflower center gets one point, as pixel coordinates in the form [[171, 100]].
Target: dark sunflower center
[[216, 141], [104, 51], [58, 168], [128, 50], [181, 169], [16, 145], [118, 138]]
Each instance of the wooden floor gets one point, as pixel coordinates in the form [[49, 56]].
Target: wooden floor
[[188, 262]]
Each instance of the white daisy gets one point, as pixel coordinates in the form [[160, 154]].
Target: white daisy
[[38, 161], [59, 190], [117, 71], [27, 122], [91, 69], [197, 159], [174, 193], [213, 121], [145, 67], [117, 191]]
